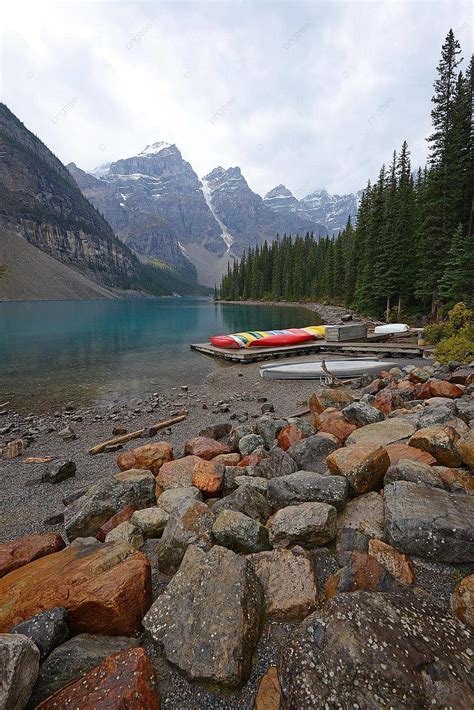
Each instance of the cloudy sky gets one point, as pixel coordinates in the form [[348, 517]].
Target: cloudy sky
[[309, 94]]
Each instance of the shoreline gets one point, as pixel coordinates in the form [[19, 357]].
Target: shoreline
[[331, 315]]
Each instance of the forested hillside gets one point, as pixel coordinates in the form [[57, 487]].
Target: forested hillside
[[412, 248]]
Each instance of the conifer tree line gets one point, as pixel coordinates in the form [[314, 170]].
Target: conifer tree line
[[412, 247]]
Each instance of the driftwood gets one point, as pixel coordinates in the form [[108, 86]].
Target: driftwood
[[4, 404], [299, 414], [150, 431], [330, 380], [38, 459]]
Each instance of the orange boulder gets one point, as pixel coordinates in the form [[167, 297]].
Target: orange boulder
[[441, 388], [205, 448], [150, 457], [26, 549], [123, 680], [111, 523], [289, 436], [396, 452], [395, 562], [176, 474], [332, 421], [208, 477], [106, 589]]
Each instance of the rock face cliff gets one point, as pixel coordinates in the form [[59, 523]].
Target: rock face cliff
[[331, 210], [41, 202]]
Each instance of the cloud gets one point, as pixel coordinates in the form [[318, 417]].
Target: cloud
[[310, 94]]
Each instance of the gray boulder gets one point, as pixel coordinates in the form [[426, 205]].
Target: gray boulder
[[260, 484], [279, 463], [428, 522], [238, 432], [249, 443], [362, 413], [245, 500], [84, 516], [73, 659], [240, 533], [308, 487], [308, 524], [464, 409], [414, 471], [361, 520], [305, 427], [150, 521], [310, 454], [58, 471], [47, 630], [19, 664], [208, 618], [268, 428], [190, 524], [173, 497], [378, 650]]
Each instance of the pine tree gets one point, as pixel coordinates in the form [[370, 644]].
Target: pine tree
[[457, 283]]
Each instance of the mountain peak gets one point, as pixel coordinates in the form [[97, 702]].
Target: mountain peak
[[155, 148], [279, 191]]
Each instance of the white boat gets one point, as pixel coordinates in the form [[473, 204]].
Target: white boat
[[391, 329], [314, 370]]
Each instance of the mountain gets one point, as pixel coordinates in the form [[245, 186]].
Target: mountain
[[331, 210], [41, 203]]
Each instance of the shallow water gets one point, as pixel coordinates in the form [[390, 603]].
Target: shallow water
[[56, 351]]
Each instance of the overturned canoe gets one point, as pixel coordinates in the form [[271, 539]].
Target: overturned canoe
[[269, 338], [391, 329], [314, 370]]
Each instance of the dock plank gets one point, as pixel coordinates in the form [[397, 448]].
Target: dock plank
[[248, 355]]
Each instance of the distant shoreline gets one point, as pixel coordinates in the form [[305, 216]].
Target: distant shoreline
[[328, 314]]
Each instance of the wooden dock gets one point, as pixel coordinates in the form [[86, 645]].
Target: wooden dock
[[389, 348]]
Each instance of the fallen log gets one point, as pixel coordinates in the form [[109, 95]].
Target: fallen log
[[4, 404], [150, 431], [38, 459]]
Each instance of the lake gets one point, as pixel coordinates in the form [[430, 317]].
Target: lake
[[56, 351]]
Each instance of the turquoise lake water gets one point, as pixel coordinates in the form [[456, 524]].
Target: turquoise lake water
[[55, 351]]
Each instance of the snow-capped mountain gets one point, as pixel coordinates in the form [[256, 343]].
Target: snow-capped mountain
[[331, 210], [156, 203]]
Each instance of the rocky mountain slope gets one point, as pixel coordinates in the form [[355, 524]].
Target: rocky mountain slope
[[331, 210], [41, 202], [156, 203]]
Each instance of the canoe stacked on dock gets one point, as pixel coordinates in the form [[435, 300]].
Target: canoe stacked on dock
[[269, 338]]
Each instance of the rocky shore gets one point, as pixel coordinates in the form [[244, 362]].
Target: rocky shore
[[252, 556], [330, 315]]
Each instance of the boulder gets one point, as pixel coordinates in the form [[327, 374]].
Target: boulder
[[150, 521], [464, 409], [85, 516], [465, 448], [462, 376], [414, 471], [216, 431], [456, 480], [245, 500], [58, 471], [208, 477], [289, 582], [332, 421], [268, 696], [19, 664], [20, 552], [462, 600], [121, 517], [440, 388], [362, 573], [310, 454], [419, 375], [239, 533], [279, 463], [396, 452], [260, 484], [123, 680], [249, 443], [382, 433], [173, 497], [176, 474], [128, 533], [47, 630], [104, 588], [361, 520], [289, 436], [149, 457], [428, 522], [388, 400], [308, 524], [306, 428], [205, 448], [325, 397], [307, 487], [268, 428], [378, 650], [363, 466], [73, 659], [189, 524], [237, 433], [226, 459], [362, 413], [439, 441], [398, 564], [209, 636]]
